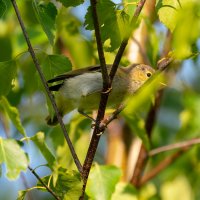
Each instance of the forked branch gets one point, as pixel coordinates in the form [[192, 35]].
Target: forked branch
[[104, 96]]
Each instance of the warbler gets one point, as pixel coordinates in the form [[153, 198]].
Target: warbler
[[80, 89]]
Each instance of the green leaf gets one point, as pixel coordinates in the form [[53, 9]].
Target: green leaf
[[39, 140], [3, 8], [13, 114], [69, 3], [7, 74], [168, 10], [111, 22], [124, 191], [138, 101], [13, 156], [46, 14], [123, 23], [184, 38], [21, 194], [102, 181], [68, 185], [54, 65], [143, 94]]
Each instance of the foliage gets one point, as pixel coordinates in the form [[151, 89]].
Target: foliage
[[107, 177], [46, 14], [9, 151], [63, 38]]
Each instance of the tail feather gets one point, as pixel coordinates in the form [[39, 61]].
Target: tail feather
[[52, 121]]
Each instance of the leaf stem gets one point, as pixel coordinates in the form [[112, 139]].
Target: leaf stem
[[37, 65], [42, 182]]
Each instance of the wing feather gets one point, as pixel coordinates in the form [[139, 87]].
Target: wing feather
[[75, 73]]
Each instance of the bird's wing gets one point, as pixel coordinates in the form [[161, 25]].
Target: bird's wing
[[74, 73], [56, 87]]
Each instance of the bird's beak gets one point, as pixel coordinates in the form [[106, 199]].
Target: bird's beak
[[163, 84]]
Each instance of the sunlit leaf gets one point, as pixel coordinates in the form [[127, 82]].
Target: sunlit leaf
[[143, 94], [13, 156], [184, 38], [69, 3], [168, 10], [124, 191], [7, 74], [13, 114], [68, 185], [46, 14], [21, 194], [189, 117], [102, 181], [123, 23], [134, 103], [173, 188], [39, 140]]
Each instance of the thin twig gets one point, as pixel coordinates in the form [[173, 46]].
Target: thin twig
[[178, 145], [164, 63], [113, 116], [106, 81], [42, 182], [161, 166], [103, 101], [37, 65]]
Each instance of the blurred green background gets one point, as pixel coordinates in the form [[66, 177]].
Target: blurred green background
[[178, 117]]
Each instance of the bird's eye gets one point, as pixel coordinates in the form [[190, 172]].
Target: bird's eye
[[149, 74]]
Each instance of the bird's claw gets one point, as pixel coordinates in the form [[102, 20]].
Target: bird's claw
[[107, 91], [102, 126]]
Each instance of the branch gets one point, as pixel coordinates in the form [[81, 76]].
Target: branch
[[179, 145], [164, 62], [42, 182], [143, 155], [104, 96], [161, 166], [169, 160], [37, 65], [113, 116], [106, 81]]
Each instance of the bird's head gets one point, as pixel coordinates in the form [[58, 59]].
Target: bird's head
[[139, 74]]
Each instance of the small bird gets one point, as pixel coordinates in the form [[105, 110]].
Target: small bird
[[81, 89]]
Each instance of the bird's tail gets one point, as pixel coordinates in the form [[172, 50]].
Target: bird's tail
[[52, 121]]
